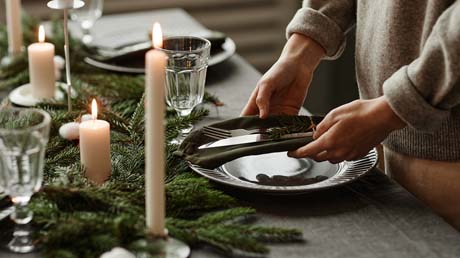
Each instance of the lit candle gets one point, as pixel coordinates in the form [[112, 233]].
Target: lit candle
[[13, 20], [154, 136], [95, 148], [41, 67]]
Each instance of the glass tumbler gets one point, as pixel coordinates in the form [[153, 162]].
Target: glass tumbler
[[185, 75], [87, 16], [23, 138]]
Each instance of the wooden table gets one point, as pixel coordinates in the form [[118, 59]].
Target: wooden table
[[373, 217]]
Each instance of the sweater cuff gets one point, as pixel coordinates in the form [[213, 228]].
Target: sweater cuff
[[320, 28], [410, 105]]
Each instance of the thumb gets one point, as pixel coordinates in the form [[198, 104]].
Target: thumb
[[263, 100], [251, 107]]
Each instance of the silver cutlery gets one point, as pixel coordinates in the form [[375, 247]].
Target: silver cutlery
[[219, 133], [253, 138]]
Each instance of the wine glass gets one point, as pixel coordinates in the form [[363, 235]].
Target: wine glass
[[23, 138], [87, 16], [185, 75]]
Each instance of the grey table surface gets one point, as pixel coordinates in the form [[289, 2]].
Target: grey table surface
[[372, 217]]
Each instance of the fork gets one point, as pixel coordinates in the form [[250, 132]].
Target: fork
[[219, 134]]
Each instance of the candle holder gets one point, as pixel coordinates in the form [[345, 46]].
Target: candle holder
[[66, 5], [169, 246], [11, 58], [22, 96]]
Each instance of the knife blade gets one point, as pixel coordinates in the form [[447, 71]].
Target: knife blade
[[252, 138]]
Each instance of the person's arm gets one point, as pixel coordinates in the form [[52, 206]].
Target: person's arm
[[282, 90], [423, 93], [317, 31], [326, 22]]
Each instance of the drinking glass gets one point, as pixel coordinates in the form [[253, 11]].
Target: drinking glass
[[23, 138], [185, 74], [87, 16]]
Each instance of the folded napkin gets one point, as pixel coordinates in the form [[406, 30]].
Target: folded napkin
[[214, 157]]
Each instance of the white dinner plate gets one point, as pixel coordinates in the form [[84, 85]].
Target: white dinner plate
[[276, 173]]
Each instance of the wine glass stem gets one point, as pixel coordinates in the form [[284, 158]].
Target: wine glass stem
[[22, 241], [86, 31], [87, 38], [22, 214]]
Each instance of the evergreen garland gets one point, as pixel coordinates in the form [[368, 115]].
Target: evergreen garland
[[76, 219]]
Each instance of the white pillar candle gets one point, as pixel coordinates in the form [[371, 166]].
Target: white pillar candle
[[95, 148], [41, 67], [14, 27], [155, 136]]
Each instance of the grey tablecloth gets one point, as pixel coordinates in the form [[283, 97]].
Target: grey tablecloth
[[373, 217]]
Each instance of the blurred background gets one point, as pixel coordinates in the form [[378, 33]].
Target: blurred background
[[257, 27]]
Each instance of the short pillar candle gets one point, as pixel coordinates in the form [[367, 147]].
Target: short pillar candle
[[41, 67], [95, 148]]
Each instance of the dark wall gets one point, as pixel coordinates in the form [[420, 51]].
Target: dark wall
[[334, 82]]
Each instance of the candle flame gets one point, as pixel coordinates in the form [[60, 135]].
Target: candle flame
[[157, 36], [41, 34], [94, 109]]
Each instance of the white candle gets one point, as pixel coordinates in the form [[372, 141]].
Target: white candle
[[13, 21], [155, 136], [41, 67], [95, 148]]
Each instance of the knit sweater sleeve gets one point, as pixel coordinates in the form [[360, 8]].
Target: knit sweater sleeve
[[326, 22], [423, 93]]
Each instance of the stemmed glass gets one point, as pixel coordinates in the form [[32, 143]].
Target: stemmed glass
[[23, 138], [87, 16], [185, 75]]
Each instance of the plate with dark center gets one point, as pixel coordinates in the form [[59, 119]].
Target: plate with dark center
[[276, 173], [134, 61]]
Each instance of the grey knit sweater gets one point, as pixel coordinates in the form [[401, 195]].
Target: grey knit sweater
[[408, 50]]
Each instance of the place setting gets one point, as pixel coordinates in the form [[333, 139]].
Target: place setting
[[251, 154], [125, 53]]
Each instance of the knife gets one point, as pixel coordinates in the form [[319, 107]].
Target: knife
[[252, 138]]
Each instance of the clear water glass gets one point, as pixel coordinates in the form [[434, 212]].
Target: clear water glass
[[23, 137], [87, 16], [185, 74]]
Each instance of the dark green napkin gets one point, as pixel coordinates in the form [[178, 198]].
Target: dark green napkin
[[215, 157]]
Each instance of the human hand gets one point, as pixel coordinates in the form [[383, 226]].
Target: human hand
[[282, 90], [350, 131]]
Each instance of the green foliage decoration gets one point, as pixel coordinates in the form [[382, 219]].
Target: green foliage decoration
[[74, 218]]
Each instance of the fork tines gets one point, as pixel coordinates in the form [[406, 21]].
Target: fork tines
[[216, 133]]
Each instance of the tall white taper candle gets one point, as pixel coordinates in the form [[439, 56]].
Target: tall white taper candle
[[155, 136], [13, 21]]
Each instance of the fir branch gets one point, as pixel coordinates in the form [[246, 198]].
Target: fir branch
[[176, 123], [209, 98], [187, 197], [292, 125], [136, 123], [13, 81]]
